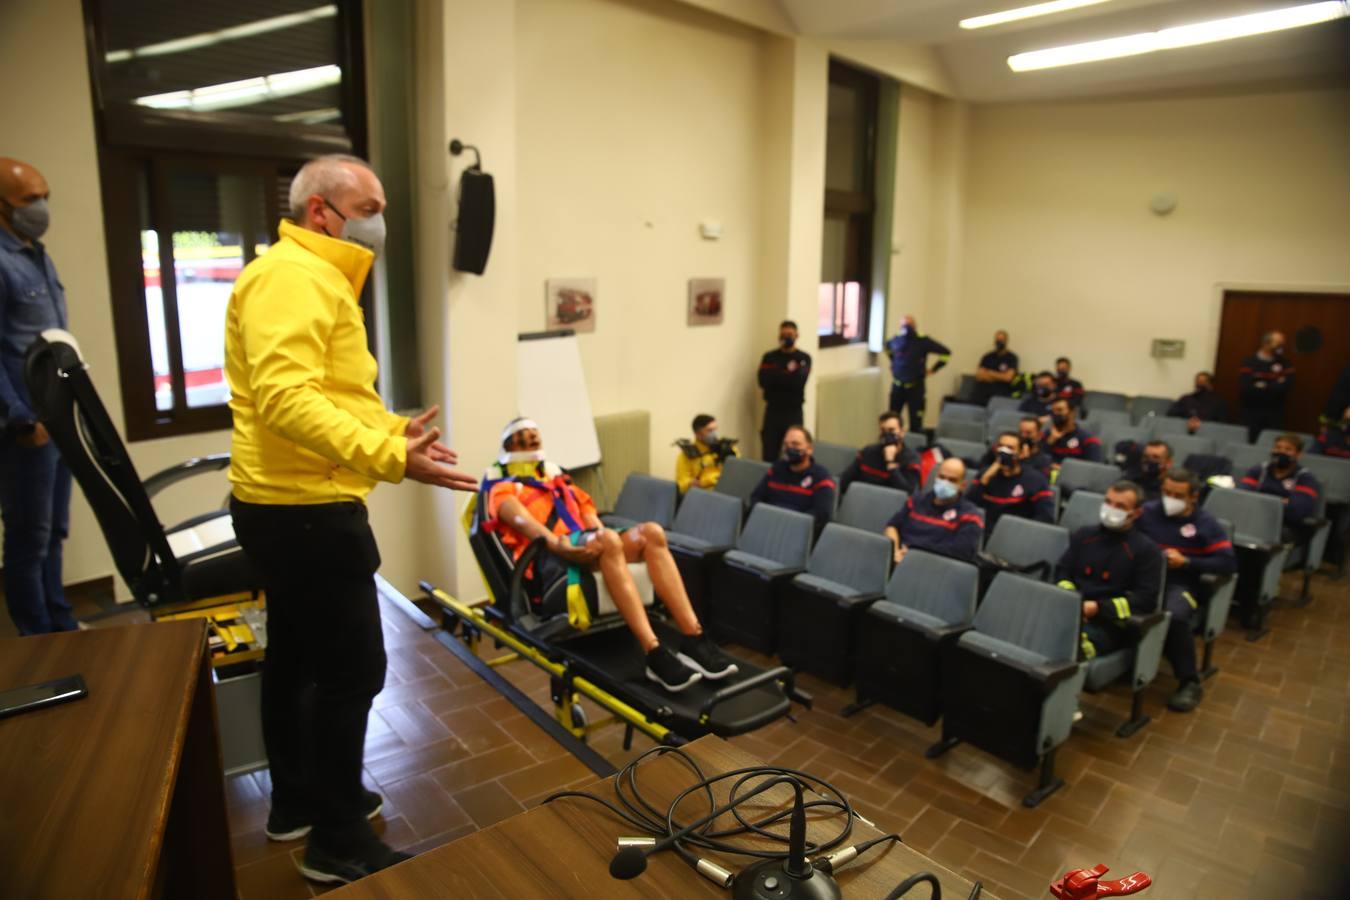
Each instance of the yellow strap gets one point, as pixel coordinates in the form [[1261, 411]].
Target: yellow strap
[[1190, 599], [578, 613], [1089, 651], [1066, 584], [1122, 607]]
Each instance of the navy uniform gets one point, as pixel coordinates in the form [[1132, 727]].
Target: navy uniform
[[1300, 490], [1026, 495], [909, 370], [1263, 387], [1148, 478], [1121, 570], [953, 530], [1203, 541], [1076, 444], [1037, 404], [811, 490], [995, 361], [1207, 406], [1070, 389], [1334, 441], [870, 467], [782, 377]]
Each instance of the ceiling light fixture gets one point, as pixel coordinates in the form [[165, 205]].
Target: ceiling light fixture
[[246, 92], [219, 36], [1025, 12], [1181, 36]]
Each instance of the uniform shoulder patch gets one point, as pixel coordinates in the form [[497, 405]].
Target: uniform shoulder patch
[[949, 515], [1188, 530]]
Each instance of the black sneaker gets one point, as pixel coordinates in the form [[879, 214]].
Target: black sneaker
[[342, 868], [703, 656], [1186, 698], [669, 672], [282, 826]]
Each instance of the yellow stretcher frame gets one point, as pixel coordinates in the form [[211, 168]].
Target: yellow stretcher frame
[[477, 624]]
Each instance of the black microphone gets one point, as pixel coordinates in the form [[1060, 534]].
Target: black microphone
[[792, 878], [630, 862]]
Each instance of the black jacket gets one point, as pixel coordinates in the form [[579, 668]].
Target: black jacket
[[1121, 570], [869, 467], [782, 375]]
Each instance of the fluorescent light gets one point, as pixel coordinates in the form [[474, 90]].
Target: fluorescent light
[[1181, 36], [1025, 12], [235, 32], [310, 116], [246, 92]]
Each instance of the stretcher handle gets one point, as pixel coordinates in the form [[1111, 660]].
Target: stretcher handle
[[782, 673]]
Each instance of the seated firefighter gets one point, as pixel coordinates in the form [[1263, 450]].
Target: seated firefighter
[[939, 520], [528, 497], [1116, 568], [888, 462], [700, 461], [797, 482]]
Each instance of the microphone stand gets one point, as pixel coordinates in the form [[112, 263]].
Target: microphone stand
[[792, 878]]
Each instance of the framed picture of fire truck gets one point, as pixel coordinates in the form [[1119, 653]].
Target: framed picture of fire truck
[[706, 297], [570, 303]]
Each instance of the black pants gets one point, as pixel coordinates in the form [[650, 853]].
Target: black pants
[[325, 657], [1259, 419], [777, 420], [1179, 645], [915, 394]]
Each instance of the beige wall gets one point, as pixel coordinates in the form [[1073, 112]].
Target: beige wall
[[53, 128], [1062, 249]]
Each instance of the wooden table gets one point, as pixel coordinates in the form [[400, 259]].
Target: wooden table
[[563, 849], [119, 794]]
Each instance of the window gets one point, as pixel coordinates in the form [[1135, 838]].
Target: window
[[850, 164], [205, 112]]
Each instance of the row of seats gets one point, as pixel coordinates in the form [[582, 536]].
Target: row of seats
[[1094, 402], [968, 422]]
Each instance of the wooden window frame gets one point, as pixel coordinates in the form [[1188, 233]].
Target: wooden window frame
[[135, 141], [858, 208]]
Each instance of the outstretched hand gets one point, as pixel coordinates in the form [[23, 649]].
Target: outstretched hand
[[417, 425], [430, 461]]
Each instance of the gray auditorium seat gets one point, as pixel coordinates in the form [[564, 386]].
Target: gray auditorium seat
[[870, 506], [916, 441], [820, 608], [1136, 662], [834, 457], [1094, 401], [1004, 420], [1258, 522], [1164, 427], [1101, 418], [644, 499], [1010, 684], [1266, 439], [1003, 404], [1025, 546], [705, 527], [960, 429], [1111, 435], [1222, 433], [1244, 456], [1082, 511], [1214, 616], [1142, 408], [970, 451], [930, 601], [743, 589], [1081, 474], [963, 412], [740, 477], [1186, 445]]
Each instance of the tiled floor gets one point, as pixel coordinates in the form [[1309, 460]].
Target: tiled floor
[[1248, 797]]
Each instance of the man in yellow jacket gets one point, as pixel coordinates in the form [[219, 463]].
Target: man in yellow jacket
[[311, 439], [700, 461]]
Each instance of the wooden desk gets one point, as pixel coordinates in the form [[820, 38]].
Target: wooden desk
[[119, 794], [563, 849]]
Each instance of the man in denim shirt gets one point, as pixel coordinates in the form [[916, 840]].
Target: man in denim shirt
[[34, 482]]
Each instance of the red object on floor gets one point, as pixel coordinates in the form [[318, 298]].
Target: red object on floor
[[1084, 884]]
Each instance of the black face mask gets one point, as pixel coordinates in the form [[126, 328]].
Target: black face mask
[[1278, 351], [794, 455], [1000, 345], [787, 342], [1151, 467], [890, 437], [1201, 388], [1006, 456], [1063, 374], [1029, 445], [1282, 460], [1044, 392], [1060, 420]]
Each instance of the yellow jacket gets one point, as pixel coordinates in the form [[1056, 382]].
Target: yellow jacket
[[701, 472], [308, 424]]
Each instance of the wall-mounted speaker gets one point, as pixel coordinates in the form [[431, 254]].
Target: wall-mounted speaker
[[477, 215]]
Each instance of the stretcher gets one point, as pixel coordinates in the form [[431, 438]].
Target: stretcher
[[603, 662]]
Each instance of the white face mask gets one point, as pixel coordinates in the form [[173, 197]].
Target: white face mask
[[944, 489], [1173, 507], [368, 232], [1113, 517], [521, 456]]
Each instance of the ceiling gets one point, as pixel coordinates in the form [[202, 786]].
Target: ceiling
[[977, 60]]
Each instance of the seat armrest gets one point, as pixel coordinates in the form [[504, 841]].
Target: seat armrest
[[1214, 580], [949, 633], [1258, 546], [1138, 625], [1047, 675], [860, 600], [184, 470], [987, 559]]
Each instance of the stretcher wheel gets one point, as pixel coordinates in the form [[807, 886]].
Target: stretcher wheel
[[578, 716]]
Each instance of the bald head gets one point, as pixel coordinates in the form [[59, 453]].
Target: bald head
[[21, 186], [953, 470], [328, 190]]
